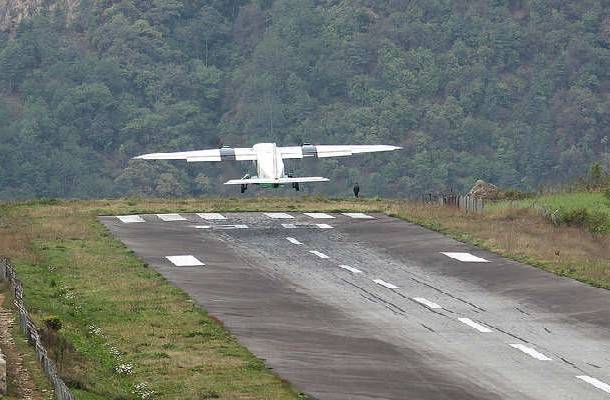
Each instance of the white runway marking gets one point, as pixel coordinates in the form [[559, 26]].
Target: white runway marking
[[427, 303], [236, 226], [465, 257], [385, 284], [279, 215], [358, 215], [171, 217], [319, 215], [184, 261], [211, 216], [595, 382], [529, 351], [317, 253], [301, 225], [324, 226], [350, 269], [293, 240], [474, 325], [129, 219]]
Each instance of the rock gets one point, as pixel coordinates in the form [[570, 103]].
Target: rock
[[485, 190]]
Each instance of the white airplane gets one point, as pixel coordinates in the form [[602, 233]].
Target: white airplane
[[268, 158]]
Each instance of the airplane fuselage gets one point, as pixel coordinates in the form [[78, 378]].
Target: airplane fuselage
[[269, 163]]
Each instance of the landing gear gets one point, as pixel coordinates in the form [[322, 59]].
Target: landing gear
[[295, 186], [356, 190]]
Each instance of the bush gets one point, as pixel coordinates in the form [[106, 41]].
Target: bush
[[53, 323], [574, 217], [595, 221], [598, 222], [607, 193]]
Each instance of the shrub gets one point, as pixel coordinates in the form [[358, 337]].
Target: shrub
[[598, 222], [595, 221], [575, 216], [53, 323], [607, 193]]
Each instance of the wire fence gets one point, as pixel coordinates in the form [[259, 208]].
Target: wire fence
[[7, 273]]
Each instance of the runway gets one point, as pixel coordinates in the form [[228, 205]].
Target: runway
[[357, 306]]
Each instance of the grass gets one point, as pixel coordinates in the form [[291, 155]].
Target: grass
[[564, 201], [116, 311]]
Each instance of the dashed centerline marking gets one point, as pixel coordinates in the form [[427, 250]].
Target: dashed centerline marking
[[171, 217], [350, 269], [427, 303], [184, 261], [324, 226], [236, 226], [317, 253], [475, 325], [211, 216], [531, 352], [129, 219], [289, 226], [385, 284], [595, 382], [358, 215], [319, 215], [465, 257], [293, 240], [279, 215]]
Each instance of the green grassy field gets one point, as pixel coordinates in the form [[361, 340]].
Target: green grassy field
[[127, 332], [588, 209]]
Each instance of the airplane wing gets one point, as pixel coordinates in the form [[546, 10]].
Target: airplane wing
[[223, 154], [280, 181], [323, 151]]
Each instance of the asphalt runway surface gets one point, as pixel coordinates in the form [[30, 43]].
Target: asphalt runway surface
[[372, 307]]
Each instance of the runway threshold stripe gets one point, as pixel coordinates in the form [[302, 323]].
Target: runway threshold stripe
[[279, 215], [595, 382], [358, 215], [129, 219], [385, 284], [211, 216], [531, 352], [350, 269], [317, 253], [319, 215], [465, 257], [475, 325], [427, 303], [171, 217], [293, 240], [289, 226], [184, 261]]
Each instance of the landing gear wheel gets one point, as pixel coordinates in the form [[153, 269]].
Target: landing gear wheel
[[243, 188], [296, 186]]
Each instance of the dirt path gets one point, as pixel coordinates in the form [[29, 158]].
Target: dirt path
[[20, 382]]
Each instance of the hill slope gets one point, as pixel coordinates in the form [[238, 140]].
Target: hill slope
[[512, 92]]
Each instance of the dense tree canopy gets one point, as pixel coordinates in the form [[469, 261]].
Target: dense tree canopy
[[514, 92]]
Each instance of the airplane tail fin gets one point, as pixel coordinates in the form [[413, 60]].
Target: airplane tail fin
[[280, 181]]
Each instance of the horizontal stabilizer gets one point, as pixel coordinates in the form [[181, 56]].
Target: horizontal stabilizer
[[280, 181]]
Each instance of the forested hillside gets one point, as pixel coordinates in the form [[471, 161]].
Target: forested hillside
[[515, 92]]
